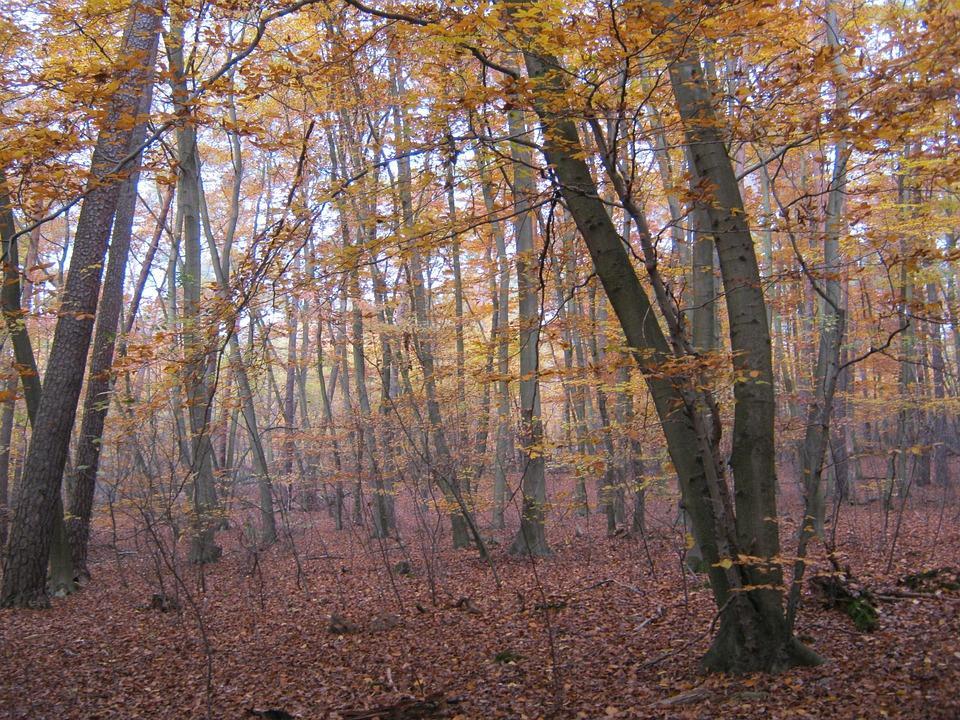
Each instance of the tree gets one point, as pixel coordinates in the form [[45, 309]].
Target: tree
[[753, 633], [96, 402], [203, 547], [531, 538], [24, 567]]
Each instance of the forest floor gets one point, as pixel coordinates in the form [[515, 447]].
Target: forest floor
[[605, 628]]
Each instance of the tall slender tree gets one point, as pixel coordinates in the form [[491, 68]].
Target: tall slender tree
[[96, 401], [753, 634], [25, 564]]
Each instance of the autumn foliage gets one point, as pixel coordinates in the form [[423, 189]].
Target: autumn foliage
[[516, 359]]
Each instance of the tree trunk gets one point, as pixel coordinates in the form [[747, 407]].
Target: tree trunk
[[753, 633], [500, 333], [457, 295], [445, 472], [203, 548], [585, 448], [289, 391], [941, 469], [326, 396], [531, 539], [6, 439], [387, 367], [30, 535], [13, 314], [96, 402], [221, 268], [609, 495], [832, 327], [383, 523], [61, 579]]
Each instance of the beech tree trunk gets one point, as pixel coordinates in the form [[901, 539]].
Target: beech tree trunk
[[832, 332], [753, 634], [203, 548], [500, 335], [531, 538]]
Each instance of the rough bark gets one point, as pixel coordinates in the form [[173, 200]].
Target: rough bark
[[29, 545], [96, 401], [61, 578]]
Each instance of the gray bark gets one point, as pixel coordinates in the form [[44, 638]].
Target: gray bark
[[500, 335], [203, 548], [531, 538], [753, 632]]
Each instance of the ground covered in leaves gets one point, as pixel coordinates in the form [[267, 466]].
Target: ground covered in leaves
[[606, 628]]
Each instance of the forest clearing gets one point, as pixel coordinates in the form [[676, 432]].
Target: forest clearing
[[489, 359]]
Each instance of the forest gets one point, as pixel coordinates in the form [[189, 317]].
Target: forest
[[403, 359]]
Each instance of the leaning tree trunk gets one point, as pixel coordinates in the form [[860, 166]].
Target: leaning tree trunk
[[754, 634], [13, 313], [25, 564], [61, 576], [564, 152], [96, 402]]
